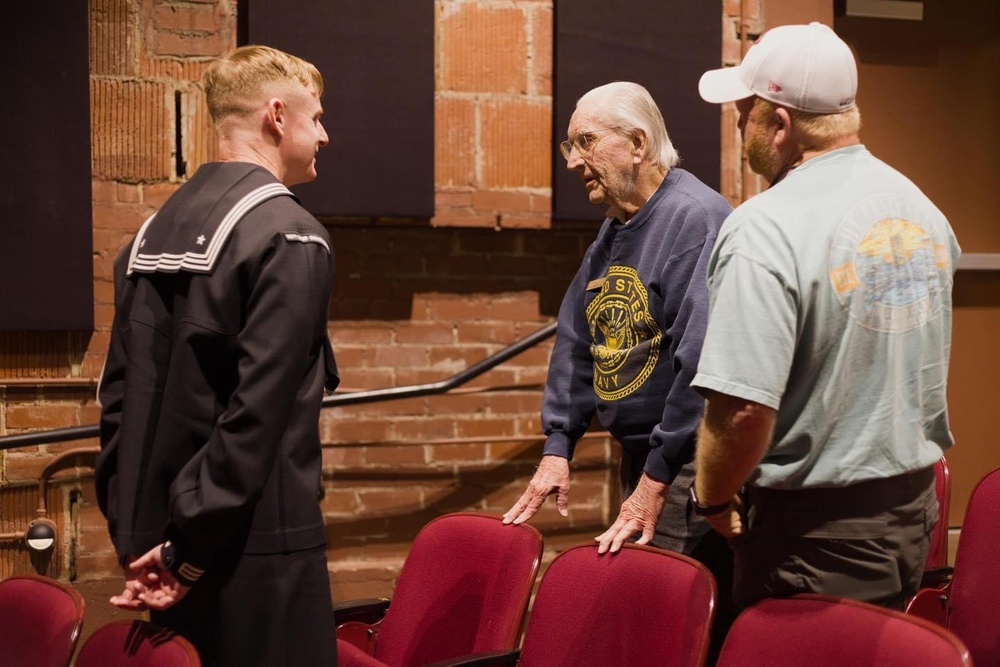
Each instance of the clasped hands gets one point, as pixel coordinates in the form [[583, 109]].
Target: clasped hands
[[149, 585]]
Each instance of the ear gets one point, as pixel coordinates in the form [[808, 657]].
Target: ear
[[639, 144], [277, 115], [782, 126]]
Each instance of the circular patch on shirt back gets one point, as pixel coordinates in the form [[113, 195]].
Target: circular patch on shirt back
[[626, 337], [889, 263]]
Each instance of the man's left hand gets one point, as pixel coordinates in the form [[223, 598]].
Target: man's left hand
[[728, 523], [639, 513], [160, 589]]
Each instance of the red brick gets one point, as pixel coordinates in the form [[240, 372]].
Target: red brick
[[542, 43], [400, 356], [498, 332], [502, 201], [459, 404], [484, 49], [452, 200], [395, 456], [368, 333], [484, 427], [358, 379], [193, 18], [399, 500], [457, 309], [458, 358], [127, 193], [351, 357], [42, 416], [515, 403], [340, 458], [527, 450], [454, 143], [104, 191], [180, 44], [448, 219], [516, 143], [423, 429], [126, 217], [96, 541], [131, 126], [340, 503], [362, 581], [520, 306], [407, 406], [19, 468], [408, 376], [155, 195], [458, 453], [353, 431], [92, 566], [428, 334]]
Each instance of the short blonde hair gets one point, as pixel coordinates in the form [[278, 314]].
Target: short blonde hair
[[232, 83], [816, 129]]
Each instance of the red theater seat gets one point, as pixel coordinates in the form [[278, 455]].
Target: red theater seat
[[136, 644], [40, 621], [822, 631], [969, 606], [464, 588]]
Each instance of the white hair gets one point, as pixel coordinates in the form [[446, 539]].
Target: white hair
[[629, 106]]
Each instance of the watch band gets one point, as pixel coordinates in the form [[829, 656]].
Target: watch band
[[185, 573], [706, 510]]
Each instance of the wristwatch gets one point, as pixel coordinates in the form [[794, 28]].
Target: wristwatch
[[168, 554], [706, 510], [185, 573]]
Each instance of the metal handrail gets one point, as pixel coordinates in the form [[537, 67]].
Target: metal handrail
[[335, 401]]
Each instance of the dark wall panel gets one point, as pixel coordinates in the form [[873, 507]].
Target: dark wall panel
[[46, 242], [377, 61], [665, 45]]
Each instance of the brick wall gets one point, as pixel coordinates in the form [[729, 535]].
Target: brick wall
[[413, 303]]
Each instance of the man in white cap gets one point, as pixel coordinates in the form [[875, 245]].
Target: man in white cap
[[826, 355]]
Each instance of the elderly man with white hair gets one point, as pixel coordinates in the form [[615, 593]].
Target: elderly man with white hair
[[631, 326]]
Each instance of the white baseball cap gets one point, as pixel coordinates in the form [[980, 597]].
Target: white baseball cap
[[805, 67]]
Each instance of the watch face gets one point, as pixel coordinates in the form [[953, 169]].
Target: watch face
[[167, 555]]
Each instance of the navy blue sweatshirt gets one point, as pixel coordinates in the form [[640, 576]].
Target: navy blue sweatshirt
[[631, 328]]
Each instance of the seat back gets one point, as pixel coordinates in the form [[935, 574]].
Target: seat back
[[464, 588], [641, 606], [40, 621], [136, 644], [974, 603], [937, 556], [818, 630]]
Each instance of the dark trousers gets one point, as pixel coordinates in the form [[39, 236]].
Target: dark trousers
[[270, 610], [867, 541]]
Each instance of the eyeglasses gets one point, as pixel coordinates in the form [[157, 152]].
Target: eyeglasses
[[583, 142]]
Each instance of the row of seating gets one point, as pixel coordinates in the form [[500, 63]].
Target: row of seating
[[642, 606], [463, 594], [40, 623]]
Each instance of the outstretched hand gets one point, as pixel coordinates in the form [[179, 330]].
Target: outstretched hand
[[128, 599], [153, 586], [551, 477], [639, 513]]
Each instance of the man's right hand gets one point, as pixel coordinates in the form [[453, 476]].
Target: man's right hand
[[551, 477]]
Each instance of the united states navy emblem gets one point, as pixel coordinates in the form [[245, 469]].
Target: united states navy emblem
[[626, 338]]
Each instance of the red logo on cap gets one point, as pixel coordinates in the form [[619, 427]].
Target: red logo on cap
[[772, 87]]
